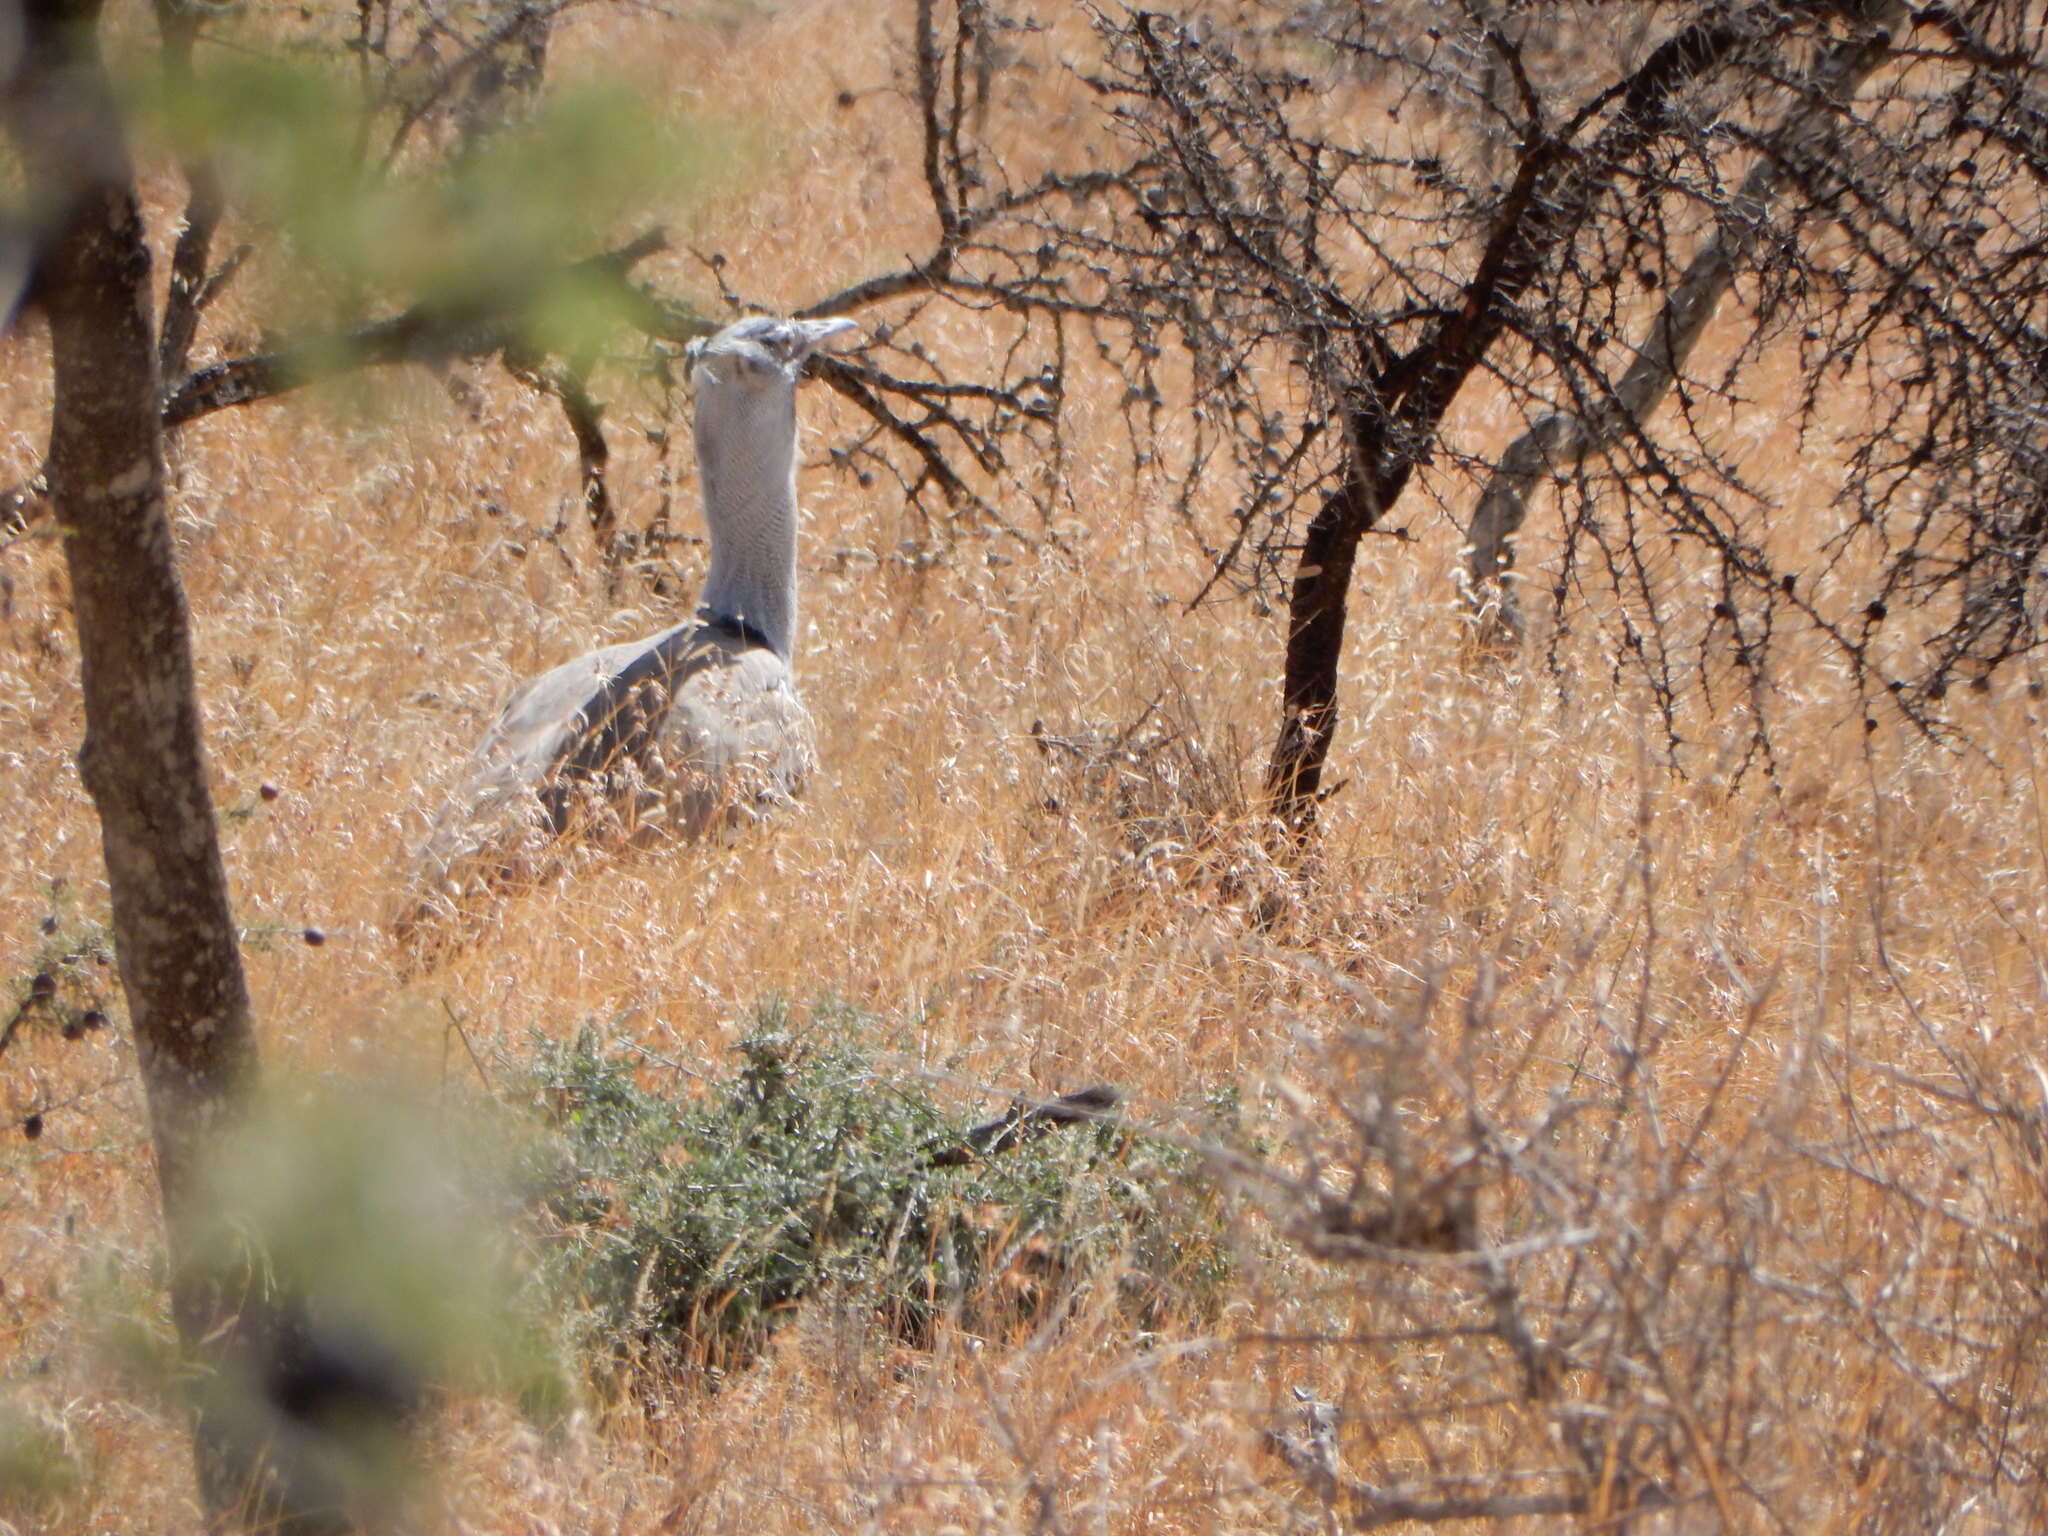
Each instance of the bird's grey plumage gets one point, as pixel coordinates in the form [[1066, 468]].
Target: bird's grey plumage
[[699, 727]]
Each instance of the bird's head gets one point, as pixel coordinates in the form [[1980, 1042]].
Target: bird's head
[[761, 350]]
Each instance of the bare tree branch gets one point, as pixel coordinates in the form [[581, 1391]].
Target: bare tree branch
[[1366, 1508], [191, 286], [1561, 439], [584, 416], [434, 332]]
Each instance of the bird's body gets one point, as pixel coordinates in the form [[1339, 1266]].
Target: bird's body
[[695, 729], [689, 730]]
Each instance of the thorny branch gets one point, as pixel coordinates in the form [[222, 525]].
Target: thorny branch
[[1521, 1235], [1560, 440], [473, 327], [492, 74], [950, 442], [1305, 307]]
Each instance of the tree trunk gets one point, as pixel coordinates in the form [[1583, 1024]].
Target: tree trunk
[[142, 759], [1315, 647]]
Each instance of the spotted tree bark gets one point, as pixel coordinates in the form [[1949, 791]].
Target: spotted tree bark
[[142, 760]]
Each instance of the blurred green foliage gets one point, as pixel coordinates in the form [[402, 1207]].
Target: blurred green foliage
[[36, 1470], [390, 1216], [382, 202]]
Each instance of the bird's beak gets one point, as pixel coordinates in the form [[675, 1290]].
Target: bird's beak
[[825, 335]]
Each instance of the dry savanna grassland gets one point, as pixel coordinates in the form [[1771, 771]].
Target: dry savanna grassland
[[1597, 1137]]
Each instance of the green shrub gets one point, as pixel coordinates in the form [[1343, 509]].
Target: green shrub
[[36, 1468], [693, 1217]]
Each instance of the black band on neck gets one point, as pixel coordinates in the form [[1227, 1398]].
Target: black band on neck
[[732, 626]]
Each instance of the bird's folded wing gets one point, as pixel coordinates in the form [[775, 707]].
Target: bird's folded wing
[[548, 720], [707, 721]]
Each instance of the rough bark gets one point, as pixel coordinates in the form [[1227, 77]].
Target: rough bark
[[1563, 438], [142, 760], [1316, 612]]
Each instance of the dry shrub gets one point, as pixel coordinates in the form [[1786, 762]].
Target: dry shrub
[[1648, 1235], [1174, 810]]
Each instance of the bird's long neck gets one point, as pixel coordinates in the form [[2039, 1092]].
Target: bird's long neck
[[746, 463]]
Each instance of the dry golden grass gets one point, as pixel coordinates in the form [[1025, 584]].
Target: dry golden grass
[[1789, 970]]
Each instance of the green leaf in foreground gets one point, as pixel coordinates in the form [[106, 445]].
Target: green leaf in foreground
[[476, 223]]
